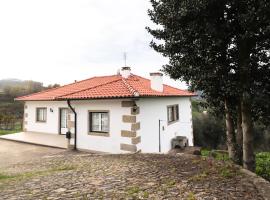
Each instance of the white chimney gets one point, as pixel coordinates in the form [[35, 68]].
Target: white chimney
[[125, 72], [157, 81]]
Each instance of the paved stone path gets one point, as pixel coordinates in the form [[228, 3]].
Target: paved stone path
[[70, 175]]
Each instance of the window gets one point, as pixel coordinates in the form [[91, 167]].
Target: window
[[173, 113], [41, 114], [99, 122]]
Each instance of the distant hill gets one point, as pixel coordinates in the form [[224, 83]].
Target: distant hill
[[12, 88], [9, 82]]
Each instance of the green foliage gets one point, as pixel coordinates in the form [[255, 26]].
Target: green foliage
[[261, 137], [218, 155], [222, 156], [11, 113], [226, 172], [5, 176], [5, 132], [208, 131], [220, 47], [263, 165], [205, 152]]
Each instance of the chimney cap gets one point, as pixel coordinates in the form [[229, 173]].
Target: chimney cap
[[156, 74], [125, 72], [126, 68]]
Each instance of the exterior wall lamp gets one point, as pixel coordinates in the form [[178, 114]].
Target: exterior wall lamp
[[134, 108]]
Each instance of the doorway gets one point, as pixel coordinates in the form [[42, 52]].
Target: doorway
[[63, 121]]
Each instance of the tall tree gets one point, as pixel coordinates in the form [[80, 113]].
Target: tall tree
[[220, 47]]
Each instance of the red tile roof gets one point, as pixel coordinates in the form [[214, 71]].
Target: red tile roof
[[105, 87]]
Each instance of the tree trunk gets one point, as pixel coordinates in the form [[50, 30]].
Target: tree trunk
[[239, 135], [230, 133], [248, 137], [245, 47]]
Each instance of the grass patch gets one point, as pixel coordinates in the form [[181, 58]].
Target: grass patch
[[63, 168], [218, 155], [262, 162], [226, 172], [27, 175], [145, 194], [191, 196], [205, 152], [263, 165], [5, 132], [5, 176], [133, 190], [199, 177]]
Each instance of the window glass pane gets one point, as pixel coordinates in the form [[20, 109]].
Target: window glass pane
[[170, 113], [41, 114], [177, 112], [99, 122], [64, 113], [44, 114], [104, 122], [173, 113], [95, 122]]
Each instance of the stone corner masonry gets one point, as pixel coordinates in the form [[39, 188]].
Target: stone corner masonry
[[135, 126]]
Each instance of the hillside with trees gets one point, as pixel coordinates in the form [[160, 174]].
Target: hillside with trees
[[11, 112]]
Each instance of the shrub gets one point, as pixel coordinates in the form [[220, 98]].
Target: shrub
[[263, 165], [209, 132]]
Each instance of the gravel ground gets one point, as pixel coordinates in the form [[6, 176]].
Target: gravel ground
[[71, 175]]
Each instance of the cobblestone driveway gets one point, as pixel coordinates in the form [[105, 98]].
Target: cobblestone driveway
[[69, 175]]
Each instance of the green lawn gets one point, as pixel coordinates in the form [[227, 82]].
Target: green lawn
[[262, 161], [5, 132], [17, 128]]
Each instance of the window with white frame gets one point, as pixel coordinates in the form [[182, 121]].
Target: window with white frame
[[172, 113], [41, 114], [99, 122]]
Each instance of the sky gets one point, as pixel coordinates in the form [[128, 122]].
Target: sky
[[59, 41]]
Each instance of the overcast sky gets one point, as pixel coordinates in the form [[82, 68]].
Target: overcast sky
[[59, 41]]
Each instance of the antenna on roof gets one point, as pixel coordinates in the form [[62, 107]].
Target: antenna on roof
[[125, 58]]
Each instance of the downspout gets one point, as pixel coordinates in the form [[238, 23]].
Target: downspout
[[75, 124], [159, 140]]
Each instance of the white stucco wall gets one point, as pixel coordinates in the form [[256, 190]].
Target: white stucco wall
[[100, 143], [52, 123], [151, 110]]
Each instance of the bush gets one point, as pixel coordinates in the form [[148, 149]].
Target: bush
[[209, 132], [263, 165]]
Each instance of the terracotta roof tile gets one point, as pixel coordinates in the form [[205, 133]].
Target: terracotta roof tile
[[105, 87]]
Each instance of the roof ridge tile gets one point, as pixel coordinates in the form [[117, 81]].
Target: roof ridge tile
[[130, 88]]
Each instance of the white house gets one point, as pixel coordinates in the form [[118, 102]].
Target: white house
[[118, 114]]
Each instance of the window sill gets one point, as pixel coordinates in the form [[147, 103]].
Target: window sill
[[41, 121], [99, 134], [173, 122]]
